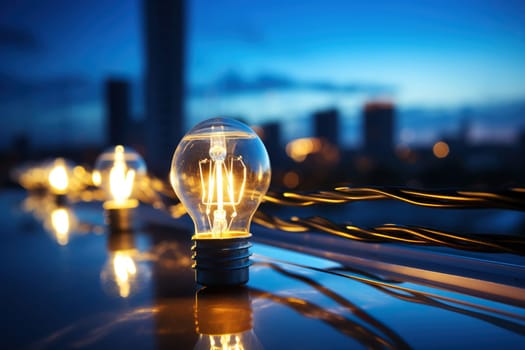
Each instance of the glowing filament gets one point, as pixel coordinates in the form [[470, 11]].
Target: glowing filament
[[120, 177], [58, 177], [125, 269], [61, 224], [226, 342], [219, 189]]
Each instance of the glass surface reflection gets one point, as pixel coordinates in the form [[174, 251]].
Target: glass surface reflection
[[288, 303], [125, 270], [61, 221], [223, 320], [58, 219], [123, 273]]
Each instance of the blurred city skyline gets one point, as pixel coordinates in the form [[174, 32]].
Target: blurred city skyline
[[442, 63]]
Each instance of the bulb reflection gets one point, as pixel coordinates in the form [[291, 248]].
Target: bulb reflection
[[61, 225], [123, 274], [222, 342], [58, 220], [125, 270], [224, 320]]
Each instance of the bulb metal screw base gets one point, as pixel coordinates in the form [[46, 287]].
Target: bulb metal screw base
[[222, 261], [119, 219], [60, 200], [118, 241]]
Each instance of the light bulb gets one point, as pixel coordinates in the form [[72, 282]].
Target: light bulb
[[118, 171], [221, 171], [58, 177]]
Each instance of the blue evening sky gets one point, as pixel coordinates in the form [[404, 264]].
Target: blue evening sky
[[267, 60]]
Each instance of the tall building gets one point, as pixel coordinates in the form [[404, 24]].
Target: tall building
[[164, 29], [327, 125], [271, 136], [117, 111], [378, 129]]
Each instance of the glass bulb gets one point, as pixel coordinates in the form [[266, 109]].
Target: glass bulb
[[117, 172], [221, 171]]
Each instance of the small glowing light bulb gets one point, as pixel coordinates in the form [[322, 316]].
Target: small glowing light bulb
[[119, 171], [221, 171], [58, 177], [116, 171]]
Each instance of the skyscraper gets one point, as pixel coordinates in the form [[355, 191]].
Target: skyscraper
[[117, 111], [327, 125], [378, 129], [272, 139], [164, 28]]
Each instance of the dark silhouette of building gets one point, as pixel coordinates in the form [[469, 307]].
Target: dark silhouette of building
[[327, 125], [117, 111], [271, 136], [378, 129], [164, 25]]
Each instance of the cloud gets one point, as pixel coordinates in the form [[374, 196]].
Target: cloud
[[232, 83], [18, 40]]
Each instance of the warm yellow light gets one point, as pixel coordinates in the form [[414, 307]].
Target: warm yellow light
[[440, 149], [96, 178], [218, 181], [58, 178], [125, 270], [61, 224], [225, 342], [120, 177], [299, 149]]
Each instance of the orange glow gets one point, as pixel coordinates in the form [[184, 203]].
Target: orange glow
[[299, 149], [440, 149], [291, 179]]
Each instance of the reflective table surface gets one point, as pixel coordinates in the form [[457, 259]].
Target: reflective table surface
[[69, 283]]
